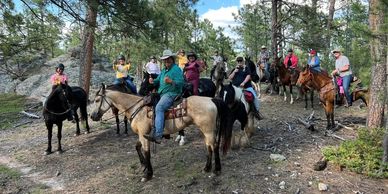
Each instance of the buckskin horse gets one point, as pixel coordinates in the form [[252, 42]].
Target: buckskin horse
[[56, 109], [206, 117]]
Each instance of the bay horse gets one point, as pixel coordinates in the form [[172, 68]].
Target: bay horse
[[56, 109], [286, 78], [323, 83], [205, 117]]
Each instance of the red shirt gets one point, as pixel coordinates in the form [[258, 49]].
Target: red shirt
[[294, 61]]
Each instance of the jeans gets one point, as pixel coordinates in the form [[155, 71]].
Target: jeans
[[255, 100], [266, 70], [130, 84], [163, 105], [346, 84]]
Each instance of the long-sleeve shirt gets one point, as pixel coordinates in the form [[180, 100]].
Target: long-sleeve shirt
[[192, 70], [174, 88], [293, 60], [314, 63]]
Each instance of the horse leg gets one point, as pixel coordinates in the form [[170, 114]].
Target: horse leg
[[59, 136], [76, 118], [148, 172], [84, 117], [49, 136], [139, 152], [115, 112], [312, 99], [217, 160], [284, 93], [181, 137], [292, 98], [126, 125], [208, 166], [305, 100]]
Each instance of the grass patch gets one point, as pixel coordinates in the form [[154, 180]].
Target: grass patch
[[11, 105], [7, 174], [363, 155]]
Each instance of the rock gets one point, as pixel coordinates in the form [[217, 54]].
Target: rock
[[322, 187], [282, 185], [277, 157], [297, 164], [320, 165]]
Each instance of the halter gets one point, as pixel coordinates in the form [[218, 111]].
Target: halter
[[61, 113], [320, 89]]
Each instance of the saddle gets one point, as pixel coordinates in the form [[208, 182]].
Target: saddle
[[177, 110], [248, 96]]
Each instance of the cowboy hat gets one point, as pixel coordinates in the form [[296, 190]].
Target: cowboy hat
[[336, 50], [166, 54], [263, 47]]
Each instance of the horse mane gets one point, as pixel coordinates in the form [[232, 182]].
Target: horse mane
[[119, 87]]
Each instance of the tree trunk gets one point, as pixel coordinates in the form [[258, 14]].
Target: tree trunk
[[85, 69], [274, 24], [330, 23], [378, 52]]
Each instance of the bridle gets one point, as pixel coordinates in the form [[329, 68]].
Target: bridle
[[60, 113]]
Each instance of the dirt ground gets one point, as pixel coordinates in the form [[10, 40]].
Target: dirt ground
[[102, 162]]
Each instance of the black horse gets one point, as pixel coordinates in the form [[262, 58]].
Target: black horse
[[62, 100]]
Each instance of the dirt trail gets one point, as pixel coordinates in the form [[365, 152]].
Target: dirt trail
[[101, 162]]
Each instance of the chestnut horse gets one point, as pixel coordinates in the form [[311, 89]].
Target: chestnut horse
[[205, 117], [324, 85]]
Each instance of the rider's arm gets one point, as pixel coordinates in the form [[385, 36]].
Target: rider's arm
[[246, 80]]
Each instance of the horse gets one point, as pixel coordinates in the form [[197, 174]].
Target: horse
[[56, 109], [206, 88], [257, 74], [219, 74], [122, 88], [287, 78], [324, 85], [240, 109], [206, 117]]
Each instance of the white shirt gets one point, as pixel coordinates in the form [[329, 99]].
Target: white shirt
[[152, 68]]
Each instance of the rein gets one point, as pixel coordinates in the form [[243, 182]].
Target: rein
[[61, 113], [320, 88], [132, 115]]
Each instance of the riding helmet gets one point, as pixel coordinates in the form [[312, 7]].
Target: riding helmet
[[60, 66], [121, 57]]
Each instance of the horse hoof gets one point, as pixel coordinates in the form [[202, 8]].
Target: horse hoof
[[59, 151], [217, 172], [77, 134], [86, 132], [144, 179], [47, 153], [206, 169]]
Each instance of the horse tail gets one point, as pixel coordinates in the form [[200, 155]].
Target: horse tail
[[225, 127]]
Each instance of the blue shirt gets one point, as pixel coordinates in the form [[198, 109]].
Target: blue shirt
[[316, 64]]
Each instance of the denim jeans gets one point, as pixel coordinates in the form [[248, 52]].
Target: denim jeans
[[255, 100], [163, 105], [266, 70], [130, 84], [346, 84]]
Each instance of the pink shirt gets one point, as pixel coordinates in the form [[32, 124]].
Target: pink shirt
[[192, 71], [57, 79]]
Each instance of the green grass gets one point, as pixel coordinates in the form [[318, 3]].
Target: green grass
[[7, 174], [363, 155], [11, 105]]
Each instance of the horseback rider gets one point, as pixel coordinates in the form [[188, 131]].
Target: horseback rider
[[314, 61], [216, 59], [59, 77], [152, 68], [170, 82], [343, 69], [291, 61], [241, 77], [122, 73], [182, 59], [192, 71], [264, 59]]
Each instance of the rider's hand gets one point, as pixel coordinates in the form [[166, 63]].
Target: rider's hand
[[242, 85], [235, 70], [334, 72], [167, 80], [150, 80]]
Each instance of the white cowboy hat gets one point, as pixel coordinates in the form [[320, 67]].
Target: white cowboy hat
[[166, 54], [336, 50], [263, 47]]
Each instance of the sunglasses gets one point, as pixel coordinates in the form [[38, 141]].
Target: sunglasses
[[239, 61]]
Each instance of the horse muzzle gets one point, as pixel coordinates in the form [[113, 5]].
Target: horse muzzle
[[96, 116]]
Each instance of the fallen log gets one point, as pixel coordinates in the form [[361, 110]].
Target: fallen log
[[343, 126], [30, 115], [308, 125]]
